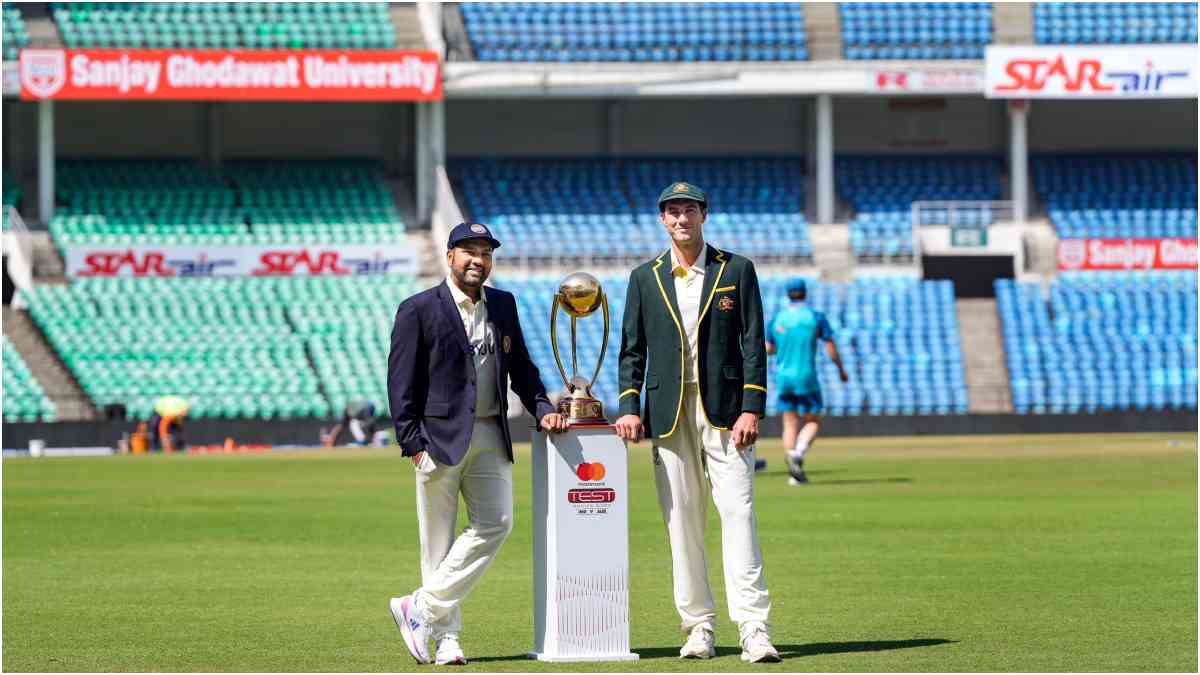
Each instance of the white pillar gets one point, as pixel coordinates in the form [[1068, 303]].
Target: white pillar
[[45, 161], [1018, 157], [431, 153], [824, 159]]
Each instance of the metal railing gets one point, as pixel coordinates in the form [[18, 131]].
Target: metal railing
[[971, 217]]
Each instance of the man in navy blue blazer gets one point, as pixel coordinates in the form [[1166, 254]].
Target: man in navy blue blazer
[[455, 349]]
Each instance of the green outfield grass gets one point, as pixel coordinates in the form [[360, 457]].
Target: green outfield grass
[[997, 553]]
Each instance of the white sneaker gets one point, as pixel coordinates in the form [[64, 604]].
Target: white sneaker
[[699, 644], [415, 628], [757, 648], [449, 653]]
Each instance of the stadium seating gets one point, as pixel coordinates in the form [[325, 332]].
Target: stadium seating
[[226, 25], [123, 202], [234, 347], [24, 400], [1101, 341], [607, 210], [915, 30], [882, 190], [16, 35], [1114, 22], [1117, 196], [898, 338], [636, 32]]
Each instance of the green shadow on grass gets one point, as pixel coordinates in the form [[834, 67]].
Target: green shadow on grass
[[786, 651]]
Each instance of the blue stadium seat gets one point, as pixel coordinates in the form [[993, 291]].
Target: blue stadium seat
[[1119, 196], [1114, 23], [915, 30], [1101, 341], [606, 210], [882, 190], [898, 338], [635, 32]]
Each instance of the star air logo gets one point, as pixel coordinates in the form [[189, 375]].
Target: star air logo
[[478, 229], [725, 304], [681, 187]]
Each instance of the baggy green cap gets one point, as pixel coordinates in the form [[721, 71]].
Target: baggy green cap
[[682, 190]]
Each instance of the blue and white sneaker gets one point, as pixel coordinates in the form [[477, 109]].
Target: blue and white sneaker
[[415, 628]]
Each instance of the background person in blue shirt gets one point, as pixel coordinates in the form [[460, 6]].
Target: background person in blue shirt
[[792, 338]]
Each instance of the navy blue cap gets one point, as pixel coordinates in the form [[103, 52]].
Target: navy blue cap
[[465, 231], [797, 285]]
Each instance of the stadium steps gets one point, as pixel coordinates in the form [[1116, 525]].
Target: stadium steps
[[824, 29], [407, 25], [47, 369], [831, 251], [454, 32], [983, 356], [43, 32], [1041, 249], [47, 259], [1012, 23]]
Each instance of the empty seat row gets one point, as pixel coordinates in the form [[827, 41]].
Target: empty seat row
[[1101, 342], [636, 32], [234, 347]]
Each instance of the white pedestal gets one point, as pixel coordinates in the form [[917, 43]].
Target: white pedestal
[[581, 546]]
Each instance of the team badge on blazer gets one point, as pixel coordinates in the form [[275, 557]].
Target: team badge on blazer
[[725, 304], [506, 344]]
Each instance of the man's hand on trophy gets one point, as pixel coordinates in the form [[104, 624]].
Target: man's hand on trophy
[[629, 428], [555, 422], [745, 430]]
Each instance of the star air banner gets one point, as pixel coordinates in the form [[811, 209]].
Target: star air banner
[[1142, 71], [258, 261], [223, 75], [1127, 254]]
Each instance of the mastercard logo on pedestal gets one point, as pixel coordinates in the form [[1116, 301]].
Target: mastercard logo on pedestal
[[590, 471]]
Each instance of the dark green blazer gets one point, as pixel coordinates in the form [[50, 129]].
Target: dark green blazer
[[731, 354]]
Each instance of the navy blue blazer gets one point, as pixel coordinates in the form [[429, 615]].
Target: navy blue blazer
[[431, 373]]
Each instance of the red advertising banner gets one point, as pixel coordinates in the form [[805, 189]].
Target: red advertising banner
[[229, 75], [1126, 254]]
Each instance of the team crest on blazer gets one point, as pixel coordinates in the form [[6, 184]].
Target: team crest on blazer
[[725, 304], [506, 344]]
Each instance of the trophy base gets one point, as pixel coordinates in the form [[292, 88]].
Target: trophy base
[[582, 410]]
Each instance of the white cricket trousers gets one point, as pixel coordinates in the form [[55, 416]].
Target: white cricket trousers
[[450, 567], [679, 475]]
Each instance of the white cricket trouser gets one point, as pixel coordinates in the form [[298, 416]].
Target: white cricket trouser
[[679, 475], [451, 567]]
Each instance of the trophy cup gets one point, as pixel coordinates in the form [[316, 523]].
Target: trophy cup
[[579, 295]]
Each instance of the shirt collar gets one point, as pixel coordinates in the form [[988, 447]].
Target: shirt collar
[[696, 268], [459, 296]]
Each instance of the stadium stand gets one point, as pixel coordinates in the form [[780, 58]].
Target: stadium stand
[[24, 400], [16, 35], [1114, 22], [898, 338], [225, 25], [635, 32], [915, 30], [122, 202], [1103, 341], [605, 209], [1110, 196], [882, 190], [131, 341]]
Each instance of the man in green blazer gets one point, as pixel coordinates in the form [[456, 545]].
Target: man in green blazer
[[693, 336]]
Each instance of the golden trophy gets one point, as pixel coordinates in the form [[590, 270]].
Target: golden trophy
[[579, 295]]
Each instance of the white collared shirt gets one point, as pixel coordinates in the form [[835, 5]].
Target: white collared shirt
[[483, 347], [689, 285]]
